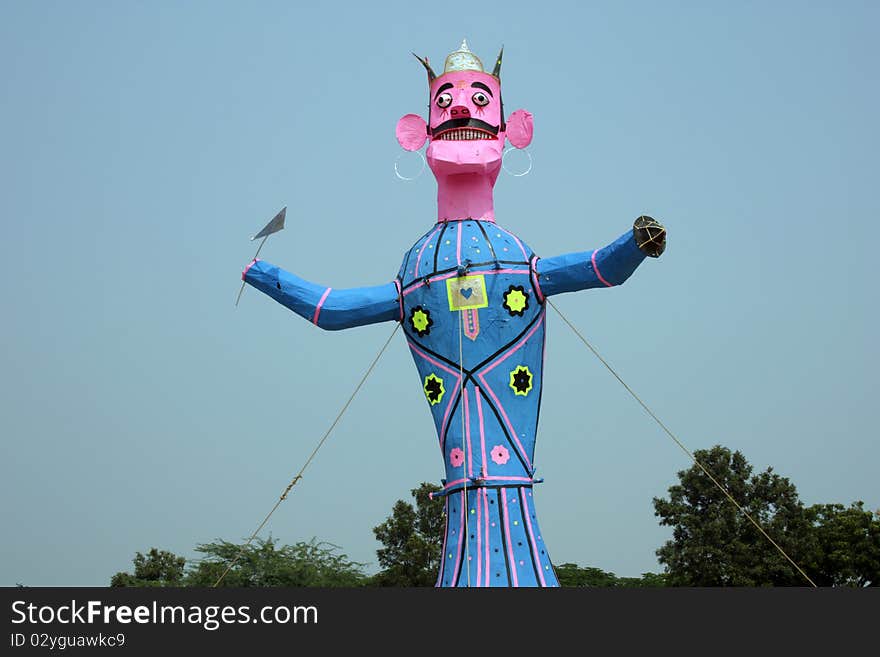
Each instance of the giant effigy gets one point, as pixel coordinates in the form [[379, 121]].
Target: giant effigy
[[470, 298]]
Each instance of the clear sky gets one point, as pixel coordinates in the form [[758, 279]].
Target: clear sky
[[142, 144]]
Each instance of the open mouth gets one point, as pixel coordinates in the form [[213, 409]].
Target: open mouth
[[464, 134], [466, 129]]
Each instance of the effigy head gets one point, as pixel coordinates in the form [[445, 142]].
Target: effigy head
[[466, 127]]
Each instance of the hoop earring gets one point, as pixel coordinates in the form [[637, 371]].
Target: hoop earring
[[406, 178], [517, 175]]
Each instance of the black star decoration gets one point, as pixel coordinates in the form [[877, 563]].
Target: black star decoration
[[521, 380], [516, 300], [420, 320], [433, 389]]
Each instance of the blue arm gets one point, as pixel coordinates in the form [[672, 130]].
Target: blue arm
[[605, 267], [323, 306]]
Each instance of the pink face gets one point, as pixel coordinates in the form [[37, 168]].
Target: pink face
[[465, 128]]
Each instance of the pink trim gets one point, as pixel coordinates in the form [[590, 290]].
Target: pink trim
[[456, 482], [484, 473], [528, 517], [471, 320], [479, 532], [510, 428], [467, 433], [533, 273], [514, 348], [443, 277], [507, 533], [320, 305], [458, 248], [422, 250], [461, 530], [431, 360], [504, 271], [413, 288], [248, 268], [518, 243], [443, 426], [443, 557], [487, 541], [596, 269], [399, 298]]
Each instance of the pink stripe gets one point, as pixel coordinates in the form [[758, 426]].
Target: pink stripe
[[467, 433], [479, 533], [443, 277], [527, 516], [462, 528], [596, 269], [514, 348], [443, 556], [458, 248], [483, 471], [504, 271], [422, 250], [443, 425], [456, 482], [248, 268], [431, 360], [320, 305], [510, 428], [413, 288], [518, 243], [507, 533], [533, 272], [399, 298], [487, 541]]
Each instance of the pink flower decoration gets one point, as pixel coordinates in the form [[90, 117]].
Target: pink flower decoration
[[456, 457], [500, 454]]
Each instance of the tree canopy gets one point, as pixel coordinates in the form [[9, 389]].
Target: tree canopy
[[412, 538], [714, 544], [263, 563]]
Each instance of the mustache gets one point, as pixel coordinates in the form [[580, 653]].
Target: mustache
[[464, 123]]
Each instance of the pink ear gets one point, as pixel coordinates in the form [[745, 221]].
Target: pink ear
[[411, 132], [519, 128]]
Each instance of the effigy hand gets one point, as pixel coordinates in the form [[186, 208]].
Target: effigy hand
[[650, 236]]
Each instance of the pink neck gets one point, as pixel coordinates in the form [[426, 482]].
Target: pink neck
[[465, 196]]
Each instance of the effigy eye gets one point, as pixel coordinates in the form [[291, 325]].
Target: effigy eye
[[480, 99], [444, 100]]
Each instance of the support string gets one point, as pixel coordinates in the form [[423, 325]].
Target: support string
[[299, 474], [679, 443]]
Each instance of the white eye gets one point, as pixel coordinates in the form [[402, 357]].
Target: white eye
[[480, 99], [444, 100]]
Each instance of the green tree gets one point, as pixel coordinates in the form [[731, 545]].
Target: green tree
[[264, 563], [714, 544], [156, 568], [412, 538], [847, 545], [570, 574]]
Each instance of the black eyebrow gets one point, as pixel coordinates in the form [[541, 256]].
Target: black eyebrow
[[443, 87], [480, 85]]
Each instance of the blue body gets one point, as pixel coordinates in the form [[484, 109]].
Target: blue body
[[470, 296]]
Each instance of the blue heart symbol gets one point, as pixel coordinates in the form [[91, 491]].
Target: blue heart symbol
[[466, 292]]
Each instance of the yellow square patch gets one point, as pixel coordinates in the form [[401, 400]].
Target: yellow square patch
[[466, 292]]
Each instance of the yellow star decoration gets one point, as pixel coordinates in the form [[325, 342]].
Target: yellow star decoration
[[521, 380], [434, 389], [420, 321], [516, 301]]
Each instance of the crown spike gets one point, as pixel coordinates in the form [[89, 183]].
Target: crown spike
[[497, 71], [431, 74]]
